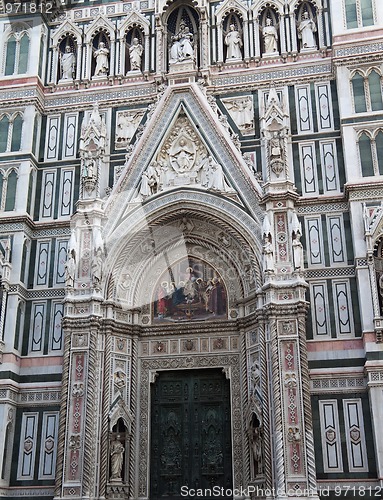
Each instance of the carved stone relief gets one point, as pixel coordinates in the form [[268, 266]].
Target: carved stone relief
[[241, 110], [183, 160], [126, 125]]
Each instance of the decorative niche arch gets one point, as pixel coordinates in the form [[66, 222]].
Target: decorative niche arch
[[301, 8], [373, 225], [139, 263], [70, 32], [232, 13], [134, 26], [100, 31], [233, 24], [271, 32], [177, 16], [67, 41]]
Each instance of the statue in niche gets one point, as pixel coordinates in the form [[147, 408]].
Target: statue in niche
[[88, 165], [116, 459], [256, 448], [276, 146], [182, 45], [306, 30], [92, 150], [268, 254], [68, 64], [135, 54], [234, 43], [270, 38], [97, 263], [276, 151], [297, 251], [101, 54], [70, 269]]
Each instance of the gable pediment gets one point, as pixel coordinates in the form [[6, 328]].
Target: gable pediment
[[185, 137]]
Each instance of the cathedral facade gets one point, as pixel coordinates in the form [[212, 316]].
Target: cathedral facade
[[191, 249]]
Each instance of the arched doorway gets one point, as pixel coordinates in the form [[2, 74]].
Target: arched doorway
[[190, 434]]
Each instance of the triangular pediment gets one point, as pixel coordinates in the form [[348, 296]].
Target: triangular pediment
[[184, 145]]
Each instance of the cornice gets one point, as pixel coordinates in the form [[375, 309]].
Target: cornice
[[369, 190]]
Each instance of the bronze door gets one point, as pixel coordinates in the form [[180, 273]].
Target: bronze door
[[190, 434]]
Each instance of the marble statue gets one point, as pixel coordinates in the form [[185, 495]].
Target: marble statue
[[149, 181], [97, 263], [70, 269], [276, 146], [268, 254], [270, 38], [102, 60], [88, 165], [216, 179], [297, 252], [68, 64], [135, 55], [182, 45], [234, 43], [256, 448], [306, 30], [116, 459]]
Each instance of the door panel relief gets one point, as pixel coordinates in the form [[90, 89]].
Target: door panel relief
[[190, 433]]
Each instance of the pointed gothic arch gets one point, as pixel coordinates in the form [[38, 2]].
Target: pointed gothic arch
[[153, 238], [101, 30], [134, 24], [177, 14], [67, 32]]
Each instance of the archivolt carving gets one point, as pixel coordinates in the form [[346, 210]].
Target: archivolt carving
[[149, 254], [125, 242]]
